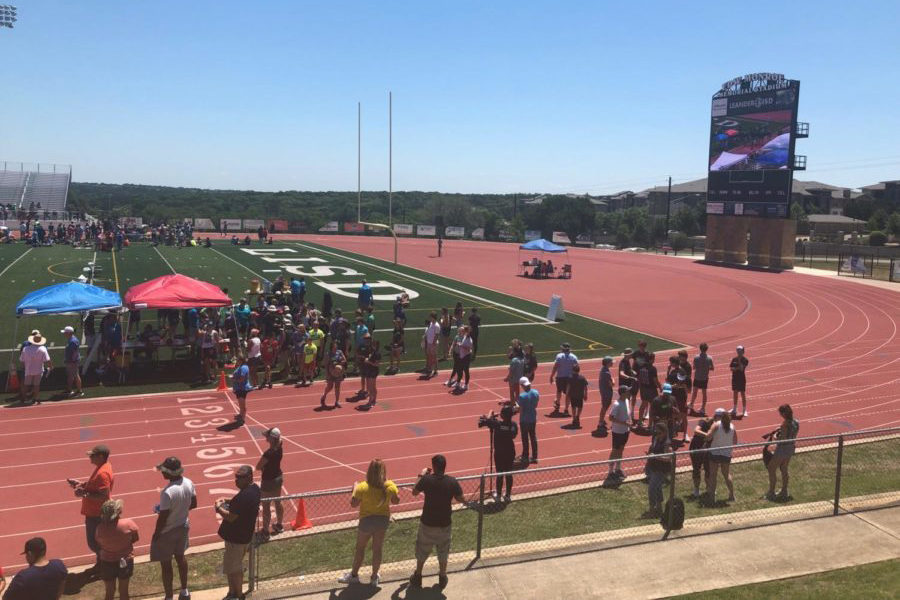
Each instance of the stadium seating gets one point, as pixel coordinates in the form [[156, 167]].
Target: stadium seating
[[47, 185]]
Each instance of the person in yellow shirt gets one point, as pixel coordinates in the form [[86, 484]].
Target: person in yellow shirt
[[308, 372], [317, 337], [373, 497]]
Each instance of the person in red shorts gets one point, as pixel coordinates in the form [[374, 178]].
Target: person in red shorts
[[269, 354]]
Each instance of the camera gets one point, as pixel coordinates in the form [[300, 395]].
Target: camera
[[483, 420]]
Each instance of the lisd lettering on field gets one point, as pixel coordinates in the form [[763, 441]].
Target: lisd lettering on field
[[302, 267]]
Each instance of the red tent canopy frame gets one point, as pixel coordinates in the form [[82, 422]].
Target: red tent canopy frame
[[175, 291]]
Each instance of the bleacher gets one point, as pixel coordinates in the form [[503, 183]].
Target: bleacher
[[46, 187]]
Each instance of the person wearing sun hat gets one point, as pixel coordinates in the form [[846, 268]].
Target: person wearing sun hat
[[170, 537], [35, 358], [271, 481]]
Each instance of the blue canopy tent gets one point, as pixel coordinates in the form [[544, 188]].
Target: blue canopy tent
[[543, 246], [72, 298]]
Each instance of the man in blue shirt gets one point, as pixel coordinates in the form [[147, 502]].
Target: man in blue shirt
[[242, 315], [240, 382], [527, 403], [72, 358], [562, 371], [42, 579], [298, 290], [365, 295]]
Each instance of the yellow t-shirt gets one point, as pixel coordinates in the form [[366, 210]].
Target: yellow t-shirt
[[316, 336], [374, 501], [309, 352]]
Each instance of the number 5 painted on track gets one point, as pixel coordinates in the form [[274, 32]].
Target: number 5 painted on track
[[217, 453]]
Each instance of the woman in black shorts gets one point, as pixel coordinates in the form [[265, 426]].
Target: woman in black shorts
[[700, 456], [398, 347], [271, 481], [505, 432], [370, 367], [531, 361]]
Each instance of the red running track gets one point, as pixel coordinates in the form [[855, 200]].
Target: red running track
[[826, 346]]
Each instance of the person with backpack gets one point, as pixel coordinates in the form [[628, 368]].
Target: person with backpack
[[658, 466], [721, 437], [781, 458]]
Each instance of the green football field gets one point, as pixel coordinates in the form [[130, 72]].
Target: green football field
[[232, 267]]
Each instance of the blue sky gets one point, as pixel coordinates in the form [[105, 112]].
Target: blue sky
[[488, 96]]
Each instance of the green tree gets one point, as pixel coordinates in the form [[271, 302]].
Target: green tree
[[893, 224], [878, 220], [798, 213], [877, 238]]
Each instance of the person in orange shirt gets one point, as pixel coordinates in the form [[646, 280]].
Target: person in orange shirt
[[93, 493]]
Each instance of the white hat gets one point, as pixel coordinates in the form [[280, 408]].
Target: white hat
[[740, 348], [523, 381], [67, 329], [273, 433]]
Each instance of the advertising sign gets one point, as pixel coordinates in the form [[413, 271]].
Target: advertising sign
[[203, 224], [478, 234], [278, 226], [329, 227], [560, 237], [353, 227], [532, 234], [253, 224], [425, 230], [451, 231], [230, 224], [403, 229]]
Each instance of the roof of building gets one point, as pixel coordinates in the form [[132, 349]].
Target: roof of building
[[834, 219], [881, 185]]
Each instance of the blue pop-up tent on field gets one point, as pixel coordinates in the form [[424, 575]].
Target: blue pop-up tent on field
[[543, 246], [68, 298]]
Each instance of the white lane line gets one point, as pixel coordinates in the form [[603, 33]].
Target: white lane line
[[9, 266], [164, 260]]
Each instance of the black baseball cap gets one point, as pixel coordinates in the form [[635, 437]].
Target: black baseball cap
[[36, 546], [171, 467]]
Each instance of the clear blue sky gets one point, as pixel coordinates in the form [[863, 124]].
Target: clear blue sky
[[488, 96]]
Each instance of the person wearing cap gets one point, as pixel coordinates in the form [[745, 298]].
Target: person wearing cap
[[605, 386], [116, 537], [648, 384], [238, 522], [93, 493], [72, 360], [577, 393], [663, 410], [170, 537], [42, 579], [628, 376], [35, 358], [620, 424], [505, 432], [562, 371], [271, 481], [738, 368], [527, 404], [703, 366]]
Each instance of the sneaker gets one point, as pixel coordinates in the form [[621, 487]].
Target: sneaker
[[465, 387], [783, 497], [702, 413], [277, 528], [442, 581], [348, 578], [374, 580], [449, 383], [184, 595], [619, 474], [745, 415], [78, 395], [337, 404], [770, 496], [415, 580], [533, 460], [731, 498], [495, 496], [507, 499]]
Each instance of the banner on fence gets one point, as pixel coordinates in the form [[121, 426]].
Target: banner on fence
[[560, 237], [478, 234], [452, 231], [425, 230], [278, 226], [354, 227], [253, 224], [330, 226], [854, 264], [532, 234], [403, 229], [896, 272], [230, 224], [203, 224], [507, 236]]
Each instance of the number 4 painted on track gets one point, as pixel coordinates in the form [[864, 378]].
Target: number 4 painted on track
[[211, 437]]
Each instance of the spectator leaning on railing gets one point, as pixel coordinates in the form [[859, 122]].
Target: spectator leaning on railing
[[781, 458]]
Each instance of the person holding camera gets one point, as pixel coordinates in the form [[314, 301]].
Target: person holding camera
[[781, 458], [505, 432]]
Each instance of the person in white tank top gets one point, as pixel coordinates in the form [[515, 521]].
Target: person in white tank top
[[722, 436]]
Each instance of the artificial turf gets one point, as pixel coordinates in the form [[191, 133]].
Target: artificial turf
[[503, 317]]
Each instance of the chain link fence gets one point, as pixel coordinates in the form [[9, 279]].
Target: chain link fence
[[585, 506]]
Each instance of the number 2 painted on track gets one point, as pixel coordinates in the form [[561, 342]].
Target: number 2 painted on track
[[201, 410]]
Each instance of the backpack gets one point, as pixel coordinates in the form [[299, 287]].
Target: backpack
[[676, 507]]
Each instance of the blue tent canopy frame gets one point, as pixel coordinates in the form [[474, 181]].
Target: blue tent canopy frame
[[542, 245], [66, 299]]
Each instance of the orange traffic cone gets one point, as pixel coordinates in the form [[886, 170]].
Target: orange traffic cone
[[301, 521], [222, 385], [12, 382]]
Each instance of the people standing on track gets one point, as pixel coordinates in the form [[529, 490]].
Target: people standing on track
[[240, 385], [505, 432], [628, 377], [371, 367], [531, 361], [373, 497], [171, 535], [722, 436], [648, 382], [93, 493], [254, 356], [516, 371], [72, 360], [335, 370], [42, 579], [577, 394], [238, 522], [398, 346], [620, 424], [461, 349], [562, 371], [36, 359], [605, 386], [440, 245], [116, 537], [677, 378], [527, 402], [268, 354], [271, 481], [781, 458], [430, 344], [474, 328], [435, 524], [738, 368], [446, 324], [703, 366]]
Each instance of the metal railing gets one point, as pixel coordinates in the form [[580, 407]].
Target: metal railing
[[579, 507]]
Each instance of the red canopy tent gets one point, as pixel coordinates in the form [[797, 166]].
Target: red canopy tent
[[175, 291]]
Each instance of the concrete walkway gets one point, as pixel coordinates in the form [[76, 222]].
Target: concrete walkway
[[692, 564]]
